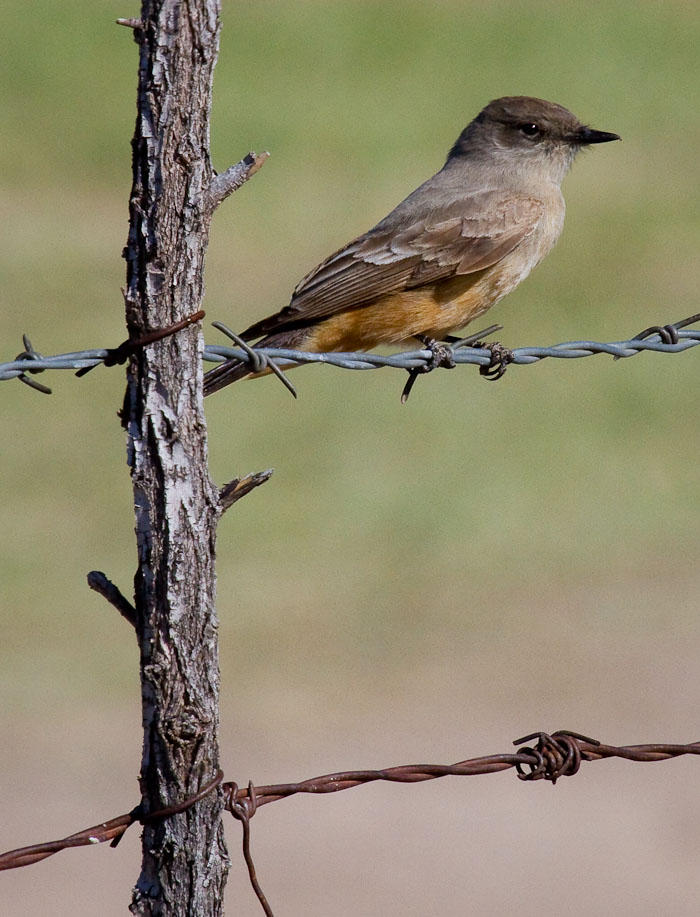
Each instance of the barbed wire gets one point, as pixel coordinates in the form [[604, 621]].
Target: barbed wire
[[30, 361], [670, 338], [662, 339], [552, 757]]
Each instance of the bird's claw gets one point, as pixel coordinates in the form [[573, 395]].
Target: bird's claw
[[500, 358], [441, 354]]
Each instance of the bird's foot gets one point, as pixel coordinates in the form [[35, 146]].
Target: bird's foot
[[500, 355], [441, 354], [500, 358]]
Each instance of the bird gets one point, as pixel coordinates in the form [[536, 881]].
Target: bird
[[448, 252]]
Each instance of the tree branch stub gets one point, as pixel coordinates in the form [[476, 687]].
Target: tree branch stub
[[233, 491], [98, 582], [225, 183]]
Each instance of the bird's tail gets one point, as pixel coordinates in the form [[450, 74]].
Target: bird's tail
[[224, 374], [233, 370]]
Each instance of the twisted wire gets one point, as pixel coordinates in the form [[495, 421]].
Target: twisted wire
[[671, 338]]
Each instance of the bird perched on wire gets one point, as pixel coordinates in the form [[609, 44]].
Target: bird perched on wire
[[454, 247]]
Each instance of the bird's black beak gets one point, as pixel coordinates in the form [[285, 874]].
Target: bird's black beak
[[586, 135]]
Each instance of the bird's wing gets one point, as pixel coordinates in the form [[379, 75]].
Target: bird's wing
[[469, 235]]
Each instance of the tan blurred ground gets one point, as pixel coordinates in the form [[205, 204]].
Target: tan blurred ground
[[619, 838]]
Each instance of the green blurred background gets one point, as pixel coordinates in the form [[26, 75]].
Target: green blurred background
[[415, 583]]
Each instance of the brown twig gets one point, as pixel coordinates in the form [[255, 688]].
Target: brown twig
[[233, 491], [106, 588], [233, 178]]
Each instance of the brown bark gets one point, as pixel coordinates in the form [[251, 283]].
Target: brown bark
[[184, 857]]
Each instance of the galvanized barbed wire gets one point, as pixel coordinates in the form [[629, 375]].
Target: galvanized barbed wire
[[670, 338], [30, 361], [552, 757]]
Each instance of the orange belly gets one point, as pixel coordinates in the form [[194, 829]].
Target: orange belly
[[434, 310]]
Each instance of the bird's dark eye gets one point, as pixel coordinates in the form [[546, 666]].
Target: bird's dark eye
[[529, 128]]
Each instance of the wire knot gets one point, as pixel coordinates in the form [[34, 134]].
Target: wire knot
[[667, 333], [244, 807], [555, 756], [30, 354], [257, 361]]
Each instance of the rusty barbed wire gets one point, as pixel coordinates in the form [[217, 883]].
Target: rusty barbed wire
[[670, 338], [550, 758], [557, 755], [112, 830]]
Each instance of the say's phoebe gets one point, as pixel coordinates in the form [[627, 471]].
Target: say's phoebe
[[449, 251]]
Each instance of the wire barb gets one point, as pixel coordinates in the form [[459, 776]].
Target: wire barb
[[244, 808], [259, 361], [30, 354], [558, 755]]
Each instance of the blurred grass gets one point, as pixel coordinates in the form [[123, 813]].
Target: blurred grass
[[477, 513], [556, 472]]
